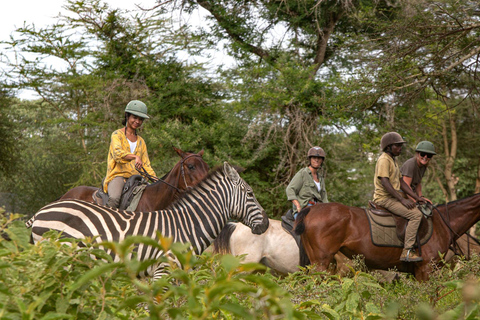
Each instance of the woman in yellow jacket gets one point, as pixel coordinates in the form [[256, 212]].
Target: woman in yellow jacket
[[127, 153]]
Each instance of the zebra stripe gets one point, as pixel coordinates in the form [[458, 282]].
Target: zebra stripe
[[196, 218]]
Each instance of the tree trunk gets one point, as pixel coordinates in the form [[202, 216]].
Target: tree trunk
[[477, 184], [450, 148]]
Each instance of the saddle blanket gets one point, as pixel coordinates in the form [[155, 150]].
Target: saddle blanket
[[383, 230]]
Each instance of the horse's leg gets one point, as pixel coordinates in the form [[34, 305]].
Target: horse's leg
[[342, 263], [422, 271], [321, 257], [323, 240], [280, 251]]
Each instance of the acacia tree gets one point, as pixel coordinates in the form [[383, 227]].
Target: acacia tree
[[429, 55], [107, 59], [283, 77]]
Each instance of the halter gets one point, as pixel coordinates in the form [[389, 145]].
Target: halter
[[143, 172]]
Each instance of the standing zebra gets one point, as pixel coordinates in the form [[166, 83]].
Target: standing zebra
[[197, 218]]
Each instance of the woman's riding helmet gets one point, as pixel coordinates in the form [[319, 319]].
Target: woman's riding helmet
[[316, 152], [426, 146], [137, 108]]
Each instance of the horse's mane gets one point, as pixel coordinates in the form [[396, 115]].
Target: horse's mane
[[201, 183], [458, 200]]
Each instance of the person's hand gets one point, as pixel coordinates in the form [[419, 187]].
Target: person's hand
[[426, 200], [138, 163], [421, 200], [408, 203]]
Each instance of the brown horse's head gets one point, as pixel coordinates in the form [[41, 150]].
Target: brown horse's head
[[192, 167]]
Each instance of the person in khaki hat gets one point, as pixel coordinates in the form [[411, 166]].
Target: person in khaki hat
[[414, 168], [127, 152], [388, 192], [308, 186]]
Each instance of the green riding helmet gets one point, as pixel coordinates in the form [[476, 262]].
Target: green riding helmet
[[137, 108], [426, 146]]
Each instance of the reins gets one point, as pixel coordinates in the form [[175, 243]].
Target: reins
[[144, 173], [453, 243]]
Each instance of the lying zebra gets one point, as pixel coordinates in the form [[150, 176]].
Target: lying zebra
[[197, 218]]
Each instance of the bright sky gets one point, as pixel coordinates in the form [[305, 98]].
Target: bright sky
[[14, 13]]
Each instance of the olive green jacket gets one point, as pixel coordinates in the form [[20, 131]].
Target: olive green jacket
[[303, 188]]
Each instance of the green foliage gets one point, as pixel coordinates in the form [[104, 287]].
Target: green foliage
[[8, 131], [62, 280]]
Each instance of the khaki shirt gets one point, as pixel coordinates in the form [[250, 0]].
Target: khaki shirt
[[117, 166], [303, 188], [386, 167]]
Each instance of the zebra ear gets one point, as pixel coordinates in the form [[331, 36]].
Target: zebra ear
[[231, 172]]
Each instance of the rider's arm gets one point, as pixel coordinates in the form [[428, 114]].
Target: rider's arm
[[145, 159], [389, 188], [293, 189], [408, 181], [419, 190]]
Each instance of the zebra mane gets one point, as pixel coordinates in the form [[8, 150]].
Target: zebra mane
[[214, 171]]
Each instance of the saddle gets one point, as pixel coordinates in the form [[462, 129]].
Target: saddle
[[287, 224], [131, 193], [384, 218]]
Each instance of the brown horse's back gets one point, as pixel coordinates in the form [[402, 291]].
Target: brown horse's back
[[81, 193], [334, 227]]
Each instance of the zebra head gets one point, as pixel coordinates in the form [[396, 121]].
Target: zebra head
[[244, 207]]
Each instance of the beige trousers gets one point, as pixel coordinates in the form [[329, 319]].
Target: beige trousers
[[115, 188], [414, 217]]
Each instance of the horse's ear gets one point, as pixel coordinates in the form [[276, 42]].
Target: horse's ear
[[201, 153], [179, 152], [231, 172]]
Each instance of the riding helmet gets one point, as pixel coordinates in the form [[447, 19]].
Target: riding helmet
[[391, 138], [137, 108], [426, 146], [316, 152]]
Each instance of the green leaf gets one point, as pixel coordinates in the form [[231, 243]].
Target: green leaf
[[93, 274]]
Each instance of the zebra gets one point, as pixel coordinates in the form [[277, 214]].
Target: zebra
[[196, 218]]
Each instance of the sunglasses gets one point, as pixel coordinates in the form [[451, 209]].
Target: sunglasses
[[423, 154]]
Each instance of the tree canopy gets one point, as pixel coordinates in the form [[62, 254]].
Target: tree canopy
[[338, 74]]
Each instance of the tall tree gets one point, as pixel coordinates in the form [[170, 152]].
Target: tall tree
[[288, 54], [107, 59]]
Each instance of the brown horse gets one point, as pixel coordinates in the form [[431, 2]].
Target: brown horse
[[190, 170], [331, 227]]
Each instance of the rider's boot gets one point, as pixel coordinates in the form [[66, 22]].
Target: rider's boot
[[410, 255]]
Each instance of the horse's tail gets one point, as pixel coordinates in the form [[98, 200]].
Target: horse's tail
[[299, 226], [222, 242]]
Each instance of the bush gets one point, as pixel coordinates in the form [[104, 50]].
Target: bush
[[61, 279]]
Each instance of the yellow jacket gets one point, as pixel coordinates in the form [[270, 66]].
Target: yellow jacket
[[117, 166]]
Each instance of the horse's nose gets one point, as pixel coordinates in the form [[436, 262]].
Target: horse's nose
[[261, 227]]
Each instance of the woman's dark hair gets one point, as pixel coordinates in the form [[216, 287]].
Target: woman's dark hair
[[124, 121]]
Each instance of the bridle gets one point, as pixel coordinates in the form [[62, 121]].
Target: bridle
[[453, 245], [182, 170], [144, 173]]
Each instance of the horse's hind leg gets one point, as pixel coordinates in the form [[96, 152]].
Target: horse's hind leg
[[321, 259]]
